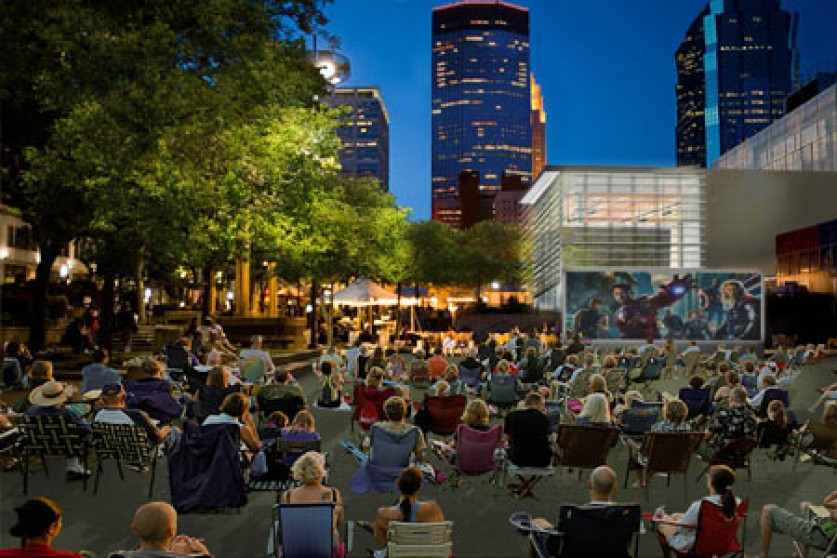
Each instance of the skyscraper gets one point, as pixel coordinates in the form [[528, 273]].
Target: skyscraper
[[480, 96], [365, 135], [537, 120], [735, 69]]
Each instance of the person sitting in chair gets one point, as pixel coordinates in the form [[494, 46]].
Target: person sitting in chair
[[528, 431], [98, 373], [601, 485], [409, 509], [39, 521], [114, 412], [679, 529], [807, 532], [310, 470], [395, 410], [235, 409], [735, 422], [256, 351], [155, 525]]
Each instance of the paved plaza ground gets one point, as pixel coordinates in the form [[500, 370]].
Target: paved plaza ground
[[479, 511]]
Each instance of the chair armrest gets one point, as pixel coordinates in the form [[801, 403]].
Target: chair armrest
[[667, 522]]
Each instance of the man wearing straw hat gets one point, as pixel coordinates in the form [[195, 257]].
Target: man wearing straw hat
[[48, 399]]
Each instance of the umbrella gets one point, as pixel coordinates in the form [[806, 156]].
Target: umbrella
[[365, 292]]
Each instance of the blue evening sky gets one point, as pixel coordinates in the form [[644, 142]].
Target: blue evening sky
[[606, 66]]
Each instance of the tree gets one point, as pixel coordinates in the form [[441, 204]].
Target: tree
[[124, 93], [492, 251]]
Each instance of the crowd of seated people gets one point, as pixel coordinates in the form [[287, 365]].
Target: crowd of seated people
[[594, 379]]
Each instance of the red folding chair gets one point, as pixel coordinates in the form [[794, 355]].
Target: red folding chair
[[716, 535], [367, 400], [445, 412]]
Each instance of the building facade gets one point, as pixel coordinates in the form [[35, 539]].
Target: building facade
[[808, 257], [804, 140], [613, 217], [481, 98], [735, 69], [365, 134], [537, 121]]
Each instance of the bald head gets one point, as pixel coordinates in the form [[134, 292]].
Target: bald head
[[155, 522], [602, 483]]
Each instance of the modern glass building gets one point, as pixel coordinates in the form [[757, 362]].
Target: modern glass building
[[480, 95], [613, 218], [365, 135], [804, 140], [735, 69]]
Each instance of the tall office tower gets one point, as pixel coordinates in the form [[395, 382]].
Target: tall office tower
[[480, 96], [537, 120], [735, 69], [365, 135]]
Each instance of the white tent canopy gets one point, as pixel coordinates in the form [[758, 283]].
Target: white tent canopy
[[365, 292]]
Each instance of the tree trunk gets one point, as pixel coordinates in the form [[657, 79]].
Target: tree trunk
[[38, 320], [329, 315], [312, 318], [398, 310], [106, 310], [138, 271], [208, 279]]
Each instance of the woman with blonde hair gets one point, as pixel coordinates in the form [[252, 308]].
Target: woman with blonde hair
[[476, 415], [310, 470], [303, 429], [596, 411]]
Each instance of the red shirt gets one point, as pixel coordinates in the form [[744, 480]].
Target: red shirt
[[437, 366], [37, 551]]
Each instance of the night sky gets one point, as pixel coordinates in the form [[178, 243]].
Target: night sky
[[606, 66]]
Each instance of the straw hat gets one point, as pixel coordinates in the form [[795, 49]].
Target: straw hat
[[50, 394]]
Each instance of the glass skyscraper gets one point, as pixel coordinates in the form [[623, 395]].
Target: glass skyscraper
[[480, 96], [365, 134], [735, 69]]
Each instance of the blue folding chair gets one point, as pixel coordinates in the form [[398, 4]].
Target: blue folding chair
[[503, 391], [302, 530], [470, 376], [639, 419]]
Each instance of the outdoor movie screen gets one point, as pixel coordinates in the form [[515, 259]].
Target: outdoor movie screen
[[664, 304]]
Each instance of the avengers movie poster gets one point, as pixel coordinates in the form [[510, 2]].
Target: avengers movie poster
[[666, 304]]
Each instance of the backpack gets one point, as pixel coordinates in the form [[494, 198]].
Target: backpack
[[329, 397]]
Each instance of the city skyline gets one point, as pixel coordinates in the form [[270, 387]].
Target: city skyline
[[607, 72]]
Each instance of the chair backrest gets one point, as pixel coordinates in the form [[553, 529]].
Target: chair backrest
[[699, 401], [445, 412], [420, 375], [125, 442], [670, 452], [534, 370], [475, 449], [205, 469], [770, 395], [555, 411], [12, 374], [290, 405], [749, 381], [154, 397], [177, 357], [389, 449], [305, 529], [717, 533], [52, 436], [583, 527], [363, 394], [284, 449], [652, 369], [502, 390], [627, 362], [647, 355], [469, 376], [736, 453], [419, 540], [641, 417], [252, 370], [585, 446]]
